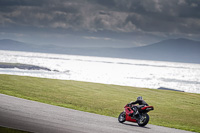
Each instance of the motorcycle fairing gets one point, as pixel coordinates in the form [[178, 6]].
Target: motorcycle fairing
[[128, 110]]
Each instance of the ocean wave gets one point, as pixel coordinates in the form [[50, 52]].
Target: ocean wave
[[138, 73]]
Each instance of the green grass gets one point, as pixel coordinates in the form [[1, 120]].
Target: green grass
[[10, 130], [172, 109]]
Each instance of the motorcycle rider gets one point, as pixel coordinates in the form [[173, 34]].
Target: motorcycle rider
[[141, 103]]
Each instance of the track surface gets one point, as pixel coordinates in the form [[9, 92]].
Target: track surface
[[43, 118]]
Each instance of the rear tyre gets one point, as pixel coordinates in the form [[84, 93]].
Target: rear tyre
[[122, 117], [143, 120]]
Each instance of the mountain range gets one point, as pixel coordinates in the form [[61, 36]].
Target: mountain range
[[173, 50]]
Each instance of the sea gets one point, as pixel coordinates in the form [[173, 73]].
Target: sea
[[117, 71]]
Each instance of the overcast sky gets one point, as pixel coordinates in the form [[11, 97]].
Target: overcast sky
[[102, 23]]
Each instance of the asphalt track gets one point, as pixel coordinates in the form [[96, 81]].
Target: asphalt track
[[44, 118]]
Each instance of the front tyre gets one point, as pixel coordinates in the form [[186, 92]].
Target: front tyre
[[143, 120], [122, 117]]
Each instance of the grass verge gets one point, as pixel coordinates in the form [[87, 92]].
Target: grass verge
[[172, 109], [10, 130]]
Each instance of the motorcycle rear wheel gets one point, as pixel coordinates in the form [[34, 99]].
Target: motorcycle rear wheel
[[122, 117], [143, 120]]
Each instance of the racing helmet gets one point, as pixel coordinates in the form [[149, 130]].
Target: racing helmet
[[139, 98]]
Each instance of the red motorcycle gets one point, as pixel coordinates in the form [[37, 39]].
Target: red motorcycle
[[142, 118]]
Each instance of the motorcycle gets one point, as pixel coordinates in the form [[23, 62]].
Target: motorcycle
[[141, 118]]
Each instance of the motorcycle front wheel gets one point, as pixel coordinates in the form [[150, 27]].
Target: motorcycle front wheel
[[144, 119], [122, 117]]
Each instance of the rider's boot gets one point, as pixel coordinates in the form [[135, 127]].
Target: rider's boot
[[130, 114], [136, 112]]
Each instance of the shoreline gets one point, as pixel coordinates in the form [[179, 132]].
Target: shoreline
[[24, 66]]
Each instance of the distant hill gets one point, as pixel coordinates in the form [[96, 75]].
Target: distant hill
[[174, 50], [7, 44]]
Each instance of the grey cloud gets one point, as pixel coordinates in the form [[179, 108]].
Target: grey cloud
[[108, 3], [41, 15], [147, 17], [4, 3], [165, 16], [177, 16]]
